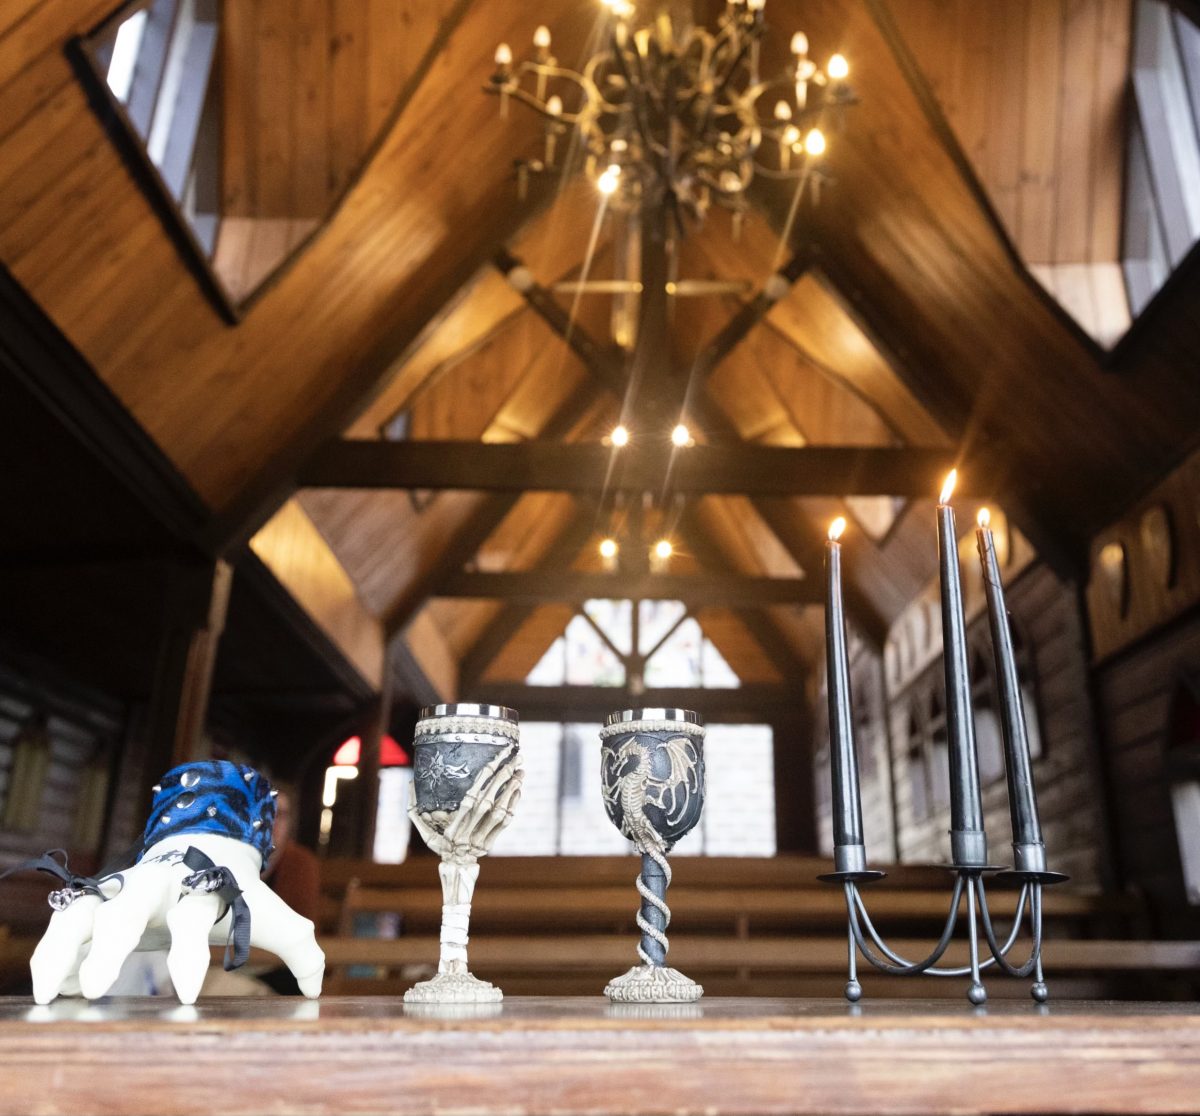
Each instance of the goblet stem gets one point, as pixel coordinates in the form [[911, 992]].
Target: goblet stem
[[458, 886], [654, 916]]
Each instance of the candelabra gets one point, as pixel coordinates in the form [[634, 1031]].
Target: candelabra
[[968, 841], [676, 114]]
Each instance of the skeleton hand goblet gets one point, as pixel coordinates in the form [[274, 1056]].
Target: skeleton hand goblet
[[652, 780], [466, 787]]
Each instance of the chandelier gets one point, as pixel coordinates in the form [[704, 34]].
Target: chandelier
[[680, 116]]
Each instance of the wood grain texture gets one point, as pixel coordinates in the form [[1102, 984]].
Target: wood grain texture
[[541, 1056]]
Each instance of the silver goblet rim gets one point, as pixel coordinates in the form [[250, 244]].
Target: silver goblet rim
[[470, 709], [625, 716]]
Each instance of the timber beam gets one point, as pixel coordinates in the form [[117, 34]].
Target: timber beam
[[726, 469], [577, 586], [748, 704]]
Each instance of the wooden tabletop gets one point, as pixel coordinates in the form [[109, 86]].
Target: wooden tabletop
[[584, 1055]]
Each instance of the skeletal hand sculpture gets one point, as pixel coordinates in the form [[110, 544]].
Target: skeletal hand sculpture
[[460, 836], [196, 880]]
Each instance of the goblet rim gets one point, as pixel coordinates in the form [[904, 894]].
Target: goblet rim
[[625, 716], [470, 709]]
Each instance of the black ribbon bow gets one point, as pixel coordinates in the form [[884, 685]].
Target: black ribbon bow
[[48, 863], [220, 881]]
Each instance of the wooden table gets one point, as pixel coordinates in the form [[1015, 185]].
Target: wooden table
[[586, 1056]]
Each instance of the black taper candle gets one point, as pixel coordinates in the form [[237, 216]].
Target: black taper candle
[[968, 842], [849, 852], [1029, 853]]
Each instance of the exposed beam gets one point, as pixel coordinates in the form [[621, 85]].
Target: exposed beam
[[750, 704], [760, 624], [734, 332], [607, 364], [505, 625], [474, 532], [740, 468], [576, 586]]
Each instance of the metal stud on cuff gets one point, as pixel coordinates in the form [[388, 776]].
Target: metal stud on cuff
[[60, 900]]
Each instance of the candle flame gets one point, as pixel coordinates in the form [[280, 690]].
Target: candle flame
[[984, 518], [948, 487], [837, 527]]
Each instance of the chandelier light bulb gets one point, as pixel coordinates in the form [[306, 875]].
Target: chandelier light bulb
[[783, 111], [504, 55], [756, 5], [608, 548], [620, 436], [800, 44], [554, 106], [814, 142], [541, 37], [791, 136], [838, 68], [681, 436], [607, 183], [663, 549]]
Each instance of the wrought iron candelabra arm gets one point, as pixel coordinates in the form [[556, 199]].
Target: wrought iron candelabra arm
[[863, 938]]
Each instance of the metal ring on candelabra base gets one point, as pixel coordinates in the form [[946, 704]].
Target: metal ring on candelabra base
[[453, 988], [866, 875], [653, 984], [1022, 876]]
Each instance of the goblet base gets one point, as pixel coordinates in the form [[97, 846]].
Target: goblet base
[[653, 984], [453, 988]]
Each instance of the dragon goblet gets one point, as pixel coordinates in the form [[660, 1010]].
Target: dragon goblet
[[652, 780], [467, 784]]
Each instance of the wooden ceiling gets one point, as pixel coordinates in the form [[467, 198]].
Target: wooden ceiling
[[912, 319]]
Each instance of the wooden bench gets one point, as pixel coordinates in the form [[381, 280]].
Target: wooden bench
[[790, 965]]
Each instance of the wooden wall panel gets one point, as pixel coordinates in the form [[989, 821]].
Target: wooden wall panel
[[1163, 573], [1034, 90], [308, 84], [1066, 775], [1135, 692]]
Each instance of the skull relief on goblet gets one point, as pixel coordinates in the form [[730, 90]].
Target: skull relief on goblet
[[652, 781], [466, 785]]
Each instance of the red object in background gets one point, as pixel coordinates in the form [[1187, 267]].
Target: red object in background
[[391, 754]]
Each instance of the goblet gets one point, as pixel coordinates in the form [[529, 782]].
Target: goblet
[[652, 780], [466, 786]]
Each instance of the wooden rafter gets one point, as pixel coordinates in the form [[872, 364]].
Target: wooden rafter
[[725, 468], [508, 621], [753, 703], [713, 590]]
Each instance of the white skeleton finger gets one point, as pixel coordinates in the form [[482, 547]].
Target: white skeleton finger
[[119, 924], [190, 921], [500, 813], [291, 937], [481, 794], [56, 959]]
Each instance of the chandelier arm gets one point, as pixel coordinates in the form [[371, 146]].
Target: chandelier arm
[[999, 954]]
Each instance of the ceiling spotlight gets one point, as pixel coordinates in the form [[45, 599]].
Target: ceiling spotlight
[[838, 68], [620, 436], [663, 549], [680, 436], [608, 548], [814, 142]]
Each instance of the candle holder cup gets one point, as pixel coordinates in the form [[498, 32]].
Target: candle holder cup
[[652, 781], [466, 785]]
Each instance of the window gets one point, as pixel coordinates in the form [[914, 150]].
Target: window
[[156, 61], [1162, 189], [30, 750], [604, 644]]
